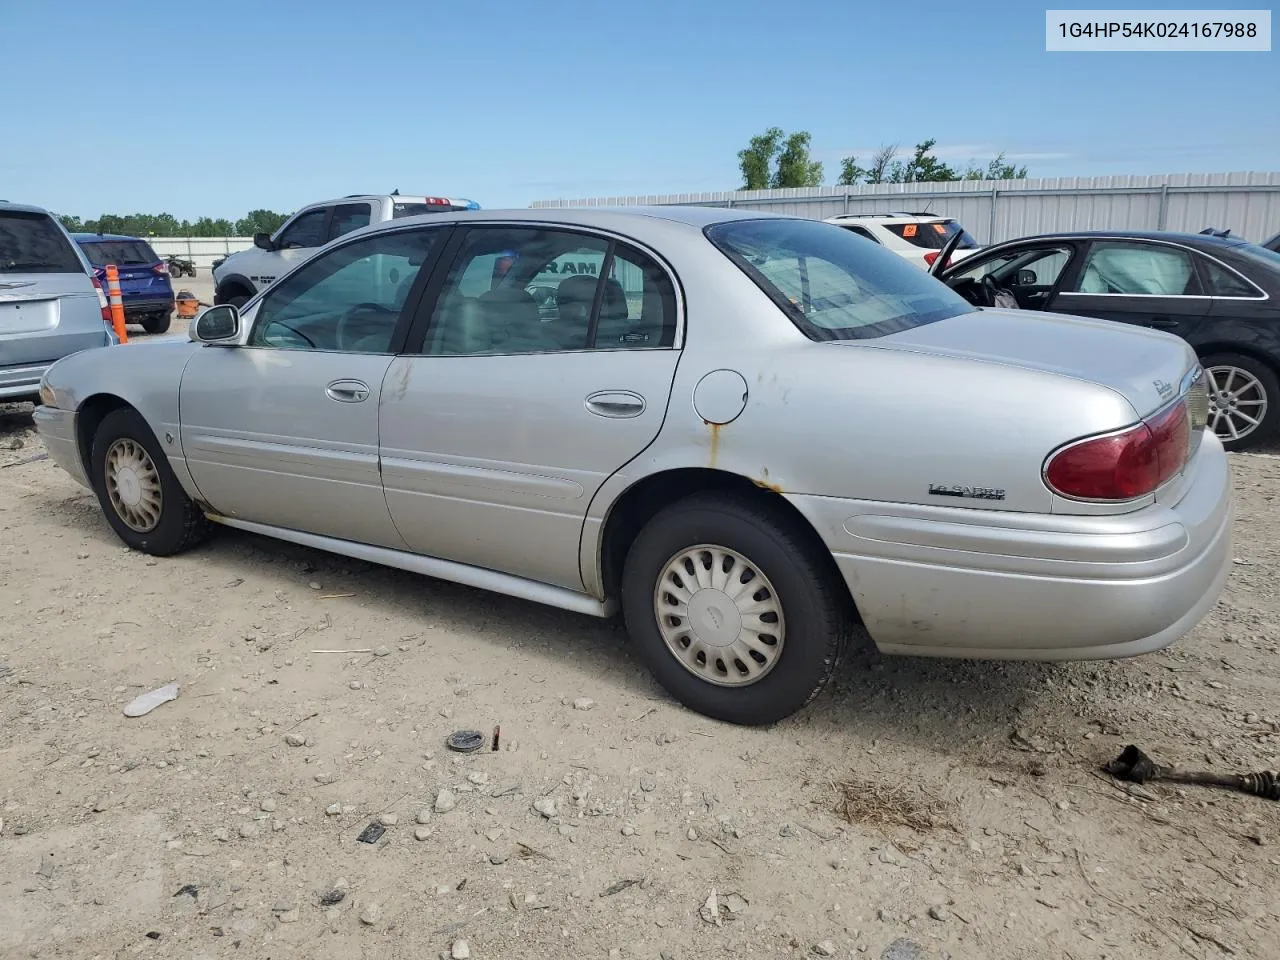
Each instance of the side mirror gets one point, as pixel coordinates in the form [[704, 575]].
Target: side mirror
[[1026, 278], [216, 325], [263, 241]]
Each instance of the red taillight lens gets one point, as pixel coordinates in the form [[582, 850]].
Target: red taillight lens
[[103, 303], [160, 268], [930, 257], [1127, 465]]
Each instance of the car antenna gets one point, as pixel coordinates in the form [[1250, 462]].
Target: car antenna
[[395, 192]]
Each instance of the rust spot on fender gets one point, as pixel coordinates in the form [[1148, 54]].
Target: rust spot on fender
[[765, 483], [714, 430]]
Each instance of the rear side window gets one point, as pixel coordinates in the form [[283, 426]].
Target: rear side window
[[863, 232], [32, 243], [1224, 283], [832, 286], [933, 236], [119, 252]]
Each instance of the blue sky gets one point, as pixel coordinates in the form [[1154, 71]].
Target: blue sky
[[219, 108]]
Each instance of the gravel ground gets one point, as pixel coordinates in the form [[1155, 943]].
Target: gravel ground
[[919, 810]]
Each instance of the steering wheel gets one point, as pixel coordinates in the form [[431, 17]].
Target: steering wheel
[[345, 342]]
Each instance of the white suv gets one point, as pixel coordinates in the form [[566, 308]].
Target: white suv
[[242, 275], [917, 236]]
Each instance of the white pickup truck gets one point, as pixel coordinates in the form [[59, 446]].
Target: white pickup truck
[[242, 275]]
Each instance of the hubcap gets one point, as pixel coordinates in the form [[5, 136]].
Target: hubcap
[[133, 485], [719, 615], [1237, 402]]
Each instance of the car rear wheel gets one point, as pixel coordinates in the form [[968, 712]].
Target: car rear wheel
[[157, 322], [143, 501], [733, 611], [1244, 399]]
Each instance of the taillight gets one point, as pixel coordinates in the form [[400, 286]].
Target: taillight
[[1125, 465], [931, 256], [102, 300], [160, 268]]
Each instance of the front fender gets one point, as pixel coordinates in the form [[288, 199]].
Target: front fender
[[146, 376]]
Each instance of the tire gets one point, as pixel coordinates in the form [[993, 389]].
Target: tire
[[1229, 401], [180, 524], [157, 322], [175, 271], [235, 297], [813, 625]]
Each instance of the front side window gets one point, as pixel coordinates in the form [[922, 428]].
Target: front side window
[[832, 286], [1119, 268], [32, 243], [1037, 266], [306, 231], [348, 300], [516, 290], [348, 217]]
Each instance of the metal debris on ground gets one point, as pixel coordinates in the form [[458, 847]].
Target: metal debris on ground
[[620, 886], [465, 741], [189, 889], [372, 833], [1134, 766]]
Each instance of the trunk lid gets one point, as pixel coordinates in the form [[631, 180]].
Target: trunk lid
[[1146, 367]]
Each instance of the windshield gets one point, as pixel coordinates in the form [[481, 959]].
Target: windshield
[[933, 236], [32, 243], [120, 252], [833, 285]]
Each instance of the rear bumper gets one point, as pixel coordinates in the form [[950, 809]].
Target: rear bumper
[[23, 382], [57, 429], [137, 308], [952, 582]]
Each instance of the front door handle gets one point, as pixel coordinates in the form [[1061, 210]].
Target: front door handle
[[1163, 322], [348, 391], [616, 404]]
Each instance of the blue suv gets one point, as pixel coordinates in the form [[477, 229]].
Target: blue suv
[[144, 277]]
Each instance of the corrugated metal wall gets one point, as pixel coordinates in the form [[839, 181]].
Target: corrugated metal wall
[[1247, 203]]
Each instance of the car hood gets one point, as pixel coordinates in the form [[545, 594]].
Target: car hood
[[1145, 366]]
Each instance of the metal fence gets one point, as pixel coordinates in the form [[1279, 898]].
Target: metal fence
[[202, 251], [993, 210]]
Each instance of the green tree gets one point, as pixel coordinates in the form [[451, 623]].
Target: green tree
[[922, 167], [259, 221], [778, 159], [851, 173], [795, 168], [756, 160], [997, 169], [72, 224]]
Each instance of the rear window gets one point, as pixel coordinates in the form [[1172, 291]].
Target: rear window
[[934, 235], [418, 209], [32, 243], [119, 252], [831, 284]]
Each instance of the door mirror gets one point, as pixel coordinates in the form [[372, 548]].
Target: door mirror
[[216, 325], [1026, 278], [263, 241]]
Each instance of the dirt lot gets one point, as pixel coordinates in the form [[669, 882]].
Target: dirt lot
[[225, 823]]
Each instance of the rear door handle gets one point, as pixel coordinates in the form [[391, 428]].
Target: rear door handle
[[348, 391], [616, 404]]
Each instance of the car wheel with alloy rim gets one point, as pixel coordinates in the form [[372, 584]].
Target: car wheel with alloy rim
[[1244, 399]]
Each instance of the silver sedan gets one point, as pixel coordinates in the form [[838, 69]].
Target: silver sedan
[[759, 437]]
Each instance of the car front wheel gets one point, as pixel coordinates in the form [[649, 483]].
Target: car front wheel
[[141, 497], [1244, 399], [736, 614]]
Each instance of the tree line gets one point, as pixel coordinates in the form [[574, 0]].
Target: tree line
[[167, 225], [778, 159]]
